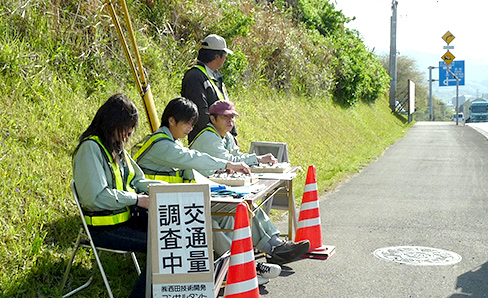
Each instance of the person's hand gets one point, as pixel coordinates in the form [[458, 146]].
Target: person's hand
[[238, 167], [143, 201], [267, 158]]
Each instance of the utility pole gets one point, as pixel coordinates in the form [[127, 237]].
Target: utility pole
[[457, 94], [431, 114], [393, 55]]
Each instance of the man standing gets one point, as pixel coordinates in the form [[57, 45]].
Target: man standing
[[203, 83]]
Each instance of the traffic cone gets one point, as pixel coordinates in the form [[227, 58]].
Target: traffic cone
[[242, 279], [309, 227]]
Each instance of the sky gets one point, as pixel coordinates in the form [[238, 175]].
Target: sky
[[420, 27]]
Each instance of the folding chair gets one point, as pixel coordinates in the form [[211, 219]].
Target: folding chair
[[284, 199], [279, 150], [85, 240]]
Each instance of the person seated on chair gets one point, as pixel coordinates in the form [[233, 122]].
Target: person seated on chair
[[217, 141], [108, 181], [162, 156], [165, 156]]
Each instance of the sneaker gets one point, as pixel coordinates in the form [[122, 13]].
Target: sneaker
[[268, 270], [288, 252], [262, 280]]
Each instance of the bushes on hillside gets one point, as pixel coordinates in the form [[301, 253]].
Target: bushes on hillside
[[358, 72], [298, 46]]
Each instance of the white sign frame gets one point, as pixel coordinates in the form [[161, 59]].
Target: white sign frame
[[179, 258]]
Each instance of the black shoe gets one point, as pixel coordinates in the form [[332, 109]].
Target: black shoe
[[288, 252]]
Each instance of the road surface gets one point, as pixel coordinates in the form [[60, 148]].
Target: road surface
[[427, 190]]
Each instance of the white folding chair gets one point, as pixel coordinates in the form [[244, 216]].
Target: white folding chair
[[85, 240], [279, 150], [284, 199]]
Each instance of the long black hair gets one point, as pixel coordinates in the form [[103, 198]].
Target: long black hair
[[112, 122], [181, 109]]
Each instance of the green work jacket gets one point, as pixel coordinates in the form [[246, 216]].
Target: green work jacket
[[210, 142], [169, 155], [96, 180]]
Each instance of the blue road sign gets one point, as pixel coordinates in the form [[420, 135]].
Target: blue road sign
[[445, 78]]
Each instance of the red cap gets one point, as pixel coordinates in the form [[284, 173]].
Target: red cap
[[222, 107]]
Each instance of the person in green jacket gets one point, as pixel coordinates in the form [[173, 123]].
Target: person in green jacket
[[165, 155], [109, 182], [217, 141]]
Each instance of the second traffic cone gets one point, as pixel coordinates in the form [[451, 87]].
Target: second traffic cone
[[309, 227], [242, 279]]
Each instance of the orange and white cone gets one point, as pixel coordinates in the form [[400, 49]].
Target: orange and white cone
[[242, 279], [309, 227]]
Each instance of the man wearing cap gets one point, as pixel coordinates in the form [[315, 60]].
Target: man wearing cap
[[217, 141], [203, 83]]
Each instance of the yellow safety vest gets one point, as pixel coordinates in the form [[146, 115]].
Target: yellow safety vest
[[107, 218], [208, 128], [170, 177], [221, 95]]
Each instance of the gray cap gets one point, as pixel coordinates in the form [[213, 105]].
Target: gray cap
[[215, 42]]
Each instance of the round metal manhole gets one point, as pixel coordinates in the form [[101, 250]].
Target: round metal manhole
[[417, 255]]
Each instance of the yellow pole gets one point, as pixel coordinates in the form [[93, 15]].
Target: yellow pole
[[115, 20], [133, 41], [142, 85], [146, 93]]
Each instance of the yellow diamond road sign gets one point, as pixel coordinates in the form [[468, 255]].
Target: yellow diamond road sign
[[448, 37], [448, 57]]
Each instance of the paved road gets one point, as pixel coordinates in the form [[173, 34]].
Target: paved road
[[429, 189]]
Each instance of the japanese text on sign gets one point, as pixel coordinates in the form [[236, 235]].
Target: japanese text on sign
[[200, 290], [446, 79], [182, 234]]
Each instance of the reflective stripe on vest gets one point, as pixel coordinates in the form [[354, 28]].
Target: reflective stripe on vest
[[208, 128], [124, 214], [221, 95], [156, 137], [108, 220], [167, 178], [173, 177], [170, 179]]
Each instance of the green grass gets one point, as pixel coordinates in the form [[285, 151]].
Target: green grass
[[338, 141]]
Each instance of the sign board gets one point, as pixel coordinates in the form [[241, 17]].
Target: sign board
[[448, 57], [446, 79], [180, 252], [411, 97], [448, 37]]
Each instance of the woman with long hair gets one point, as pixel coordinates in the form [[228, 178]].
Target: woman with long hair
[[109, 183]]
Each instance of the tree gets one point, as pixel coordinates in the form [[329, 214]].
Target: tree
[[407, 70]]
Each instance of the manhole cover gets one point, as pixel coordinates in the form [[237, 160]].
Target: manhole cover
[[417, 255]]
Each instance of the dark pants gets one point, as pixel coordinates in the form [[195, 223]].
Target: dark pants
[[131, 236]]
